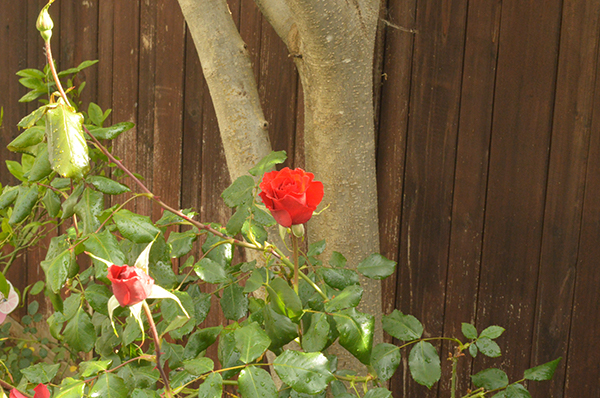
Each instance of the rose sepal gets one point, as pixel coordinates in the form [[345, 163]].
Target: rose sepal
[[160, 293]]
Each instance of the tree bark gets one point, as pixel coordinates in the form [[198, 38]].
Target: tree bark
[[333, 43], [228, 72]]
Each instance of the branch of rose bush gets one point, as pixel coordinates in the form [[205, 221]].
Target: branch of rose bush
[[10, 387], [157, 349]]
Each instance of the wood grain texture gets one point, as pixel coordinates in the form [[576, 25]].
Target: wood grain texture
[[571, 130], [429, 170], [522, 120], [470, 180]]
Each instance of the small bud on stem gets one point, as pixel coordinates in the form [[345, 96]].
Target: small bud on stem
[[44, 23]]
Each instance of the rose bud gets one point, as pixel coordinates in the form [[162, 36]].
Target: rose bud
[[291, 195], [130, 285]]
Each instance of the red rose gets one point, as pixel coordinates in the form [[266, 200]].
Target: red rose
[[130, 285], [291, 195], [41, 391]]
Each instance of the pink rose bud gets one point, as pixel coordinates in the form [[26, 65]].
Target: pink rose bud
[[291, 195], [130, 285]]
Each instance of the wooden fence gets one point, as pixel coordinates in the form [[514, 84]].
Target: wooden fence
[[488, 153]]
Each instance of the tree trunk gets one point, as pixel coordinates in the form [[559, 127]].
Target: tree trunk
[[228, 72], [332, 42]]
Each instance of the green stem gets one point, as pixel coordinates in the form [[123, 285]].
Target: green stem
[[54, 74], [295, 256], [453, 380], [157, 346]]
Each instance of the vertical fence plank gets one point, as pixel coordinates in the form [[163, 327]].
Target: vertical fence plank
[[105, 56], [582, 367], [126, 20], [393, 125], [517, 176], [577, 72], [429, 172], [470, 179]]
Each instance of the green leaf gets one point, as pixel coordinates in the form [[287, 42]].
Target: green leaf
[[285, 299], [58, 263], [347, 298], [31, 119], [109, 386], [305, 372], [339, 278], [88, 209], [234, 302], [280, 329], [136, 228], [254, 232], [488, 347], [490, 379], [41, 373], [37, 288], [210, 272], [112, 132], [376, 267], [239, 192], [71, 388], [236, 222], [35, 73], [41, 167], [212, 387], [28, 196], [68, 206], [379, 392], [181, 243], [92, 368], [256, 280], [139, 393], [403, 327], [337, 260], [268, 162], [15, 169], [314, 249], [492, 332], [27, 139], [171, 309], [542, 372], [216, 250], [424, 364], [262, 217], [95, 114], [514, 391], [256, 383], [315, 338], [356, 333], [140, 376], [385, 358], [106, 185], [8, 196], [32, 95], [202, 302], [469, 331], [199, 366], [67, 148], [104, 245], [473, 350], [79, 333], [228, 355], [251, 341], [82, 66]]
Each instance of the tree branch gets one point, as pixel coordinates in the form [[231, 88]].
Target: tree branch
[[228, 72], [278, 14]]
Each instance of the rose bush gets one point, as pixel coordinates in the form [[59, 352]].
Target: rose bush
[[291, 195], [130, 285]]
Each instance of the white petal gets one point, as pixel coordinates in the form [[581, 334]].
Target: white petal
[[159, 292]]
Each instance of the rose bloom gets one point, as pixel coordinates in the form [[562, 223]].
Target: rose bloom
[[41, 391], [130, 285], [291, 195]]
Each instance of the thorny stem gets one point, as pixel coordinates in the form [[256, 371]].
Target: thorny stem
[[10, 387], [453, 380], [157, 346]]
